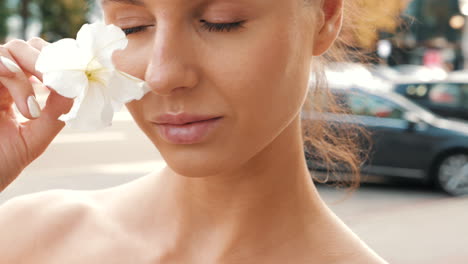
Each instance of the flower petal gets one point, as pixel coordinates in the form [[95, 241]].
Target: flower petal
[[93, 110], [62, 55], [75, 108], [84, 70], [102, 40], [124, 88], [66, 83]]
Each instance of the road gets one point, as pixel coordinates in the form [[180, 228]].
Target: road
[[406, 224]]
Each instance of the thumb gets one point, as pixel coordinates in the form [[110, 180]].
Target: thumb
[[40, 132]]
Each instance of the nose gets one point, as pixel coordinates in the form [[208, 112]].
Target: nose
[[171, 66]]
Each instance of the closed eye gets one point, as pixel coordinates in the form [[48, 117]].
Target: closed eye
[[133, 30], [211, 27], [221, 27]]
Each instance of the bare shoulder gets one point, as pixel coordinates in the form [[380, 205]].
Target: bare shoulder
[[354, 252], [366, 257], [34, 222], [340, 245], [348, 255]]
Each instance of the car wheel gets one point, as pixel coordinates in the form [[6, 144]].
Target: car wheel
[[452, 174]]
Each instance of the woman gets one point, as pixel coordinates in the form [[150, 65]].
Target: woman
[[236, 188]]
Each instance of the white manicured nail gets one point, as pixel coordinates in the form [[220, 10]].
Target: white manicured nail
[[10, 65], [34, 108]]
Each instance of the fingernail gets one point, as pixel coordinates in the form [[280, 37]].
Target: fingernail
[[34, 108], [10, 65]]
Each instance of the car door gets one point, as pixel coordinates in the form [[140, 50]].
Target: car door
[[464, 101], [396, 149]]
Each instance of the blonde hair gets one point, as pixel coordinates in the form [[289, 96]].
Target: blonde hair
[[340, 148]]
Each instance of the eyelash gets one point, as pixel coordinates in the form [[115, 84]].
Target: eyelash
[[133, 30], [221, 27], [210, 27]]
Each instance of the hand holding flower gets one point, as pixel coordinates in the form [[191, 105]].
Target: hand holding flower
[[21, 143], [79, 69]]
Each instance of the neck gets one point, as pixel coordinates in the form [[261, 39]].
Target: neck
[[268, 200]]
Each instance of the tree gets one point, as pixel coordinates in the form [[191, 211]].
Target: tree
[[59, 18], [368, 18], [4, 13], [64, 19]]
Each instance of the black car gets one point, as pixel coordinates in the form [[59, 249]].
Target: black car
[[445, 98], [407, 140]]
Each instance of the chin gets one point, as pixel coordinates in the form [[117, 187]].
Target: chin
[[199, 161], [197, 170]]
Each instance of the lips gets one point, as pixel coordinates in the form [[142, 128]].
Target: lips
[[182, 119], [185, 128]]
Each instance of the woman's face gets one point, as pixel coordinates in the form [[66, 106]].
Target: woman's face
[[244, 61]]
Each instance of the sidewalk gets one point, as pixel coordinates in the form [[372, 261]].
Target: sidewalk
[[432, 233]]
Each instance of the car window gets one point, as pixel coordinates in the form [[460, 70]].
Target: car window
[[446, 94], [370, 105], [464, 92]]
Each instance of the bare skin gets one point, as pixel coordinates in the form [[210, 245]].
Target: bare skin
[[243, 195]]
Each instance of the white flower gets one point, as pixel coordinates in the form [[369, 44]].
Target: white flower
[[82, 69]]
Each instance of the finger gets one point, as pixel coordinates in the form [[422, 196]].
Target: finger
[[40, 132], [19, 88], [5, 99], [25, 55], [7, 68], [38, 43]]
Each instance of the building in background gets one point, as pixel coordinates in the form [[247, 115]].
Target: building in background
[[432, 34]]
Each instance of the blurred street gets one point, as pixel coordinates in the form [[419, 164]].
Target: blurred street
[[405, 223]]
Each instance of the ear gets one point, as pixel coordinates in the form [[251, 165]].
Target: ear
[[330, 25]]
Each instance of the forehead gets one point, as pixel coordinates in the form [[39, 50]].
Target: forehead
[[129, 2], [250, 5], [145, 2], [287, 7]]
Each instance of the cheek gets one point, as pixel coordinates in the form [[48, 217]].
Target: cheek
[[134, 59], [266, 78]]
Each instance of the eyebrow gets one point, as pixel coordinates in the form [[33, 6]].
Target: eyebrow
[[128, 2], [134, 2]]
